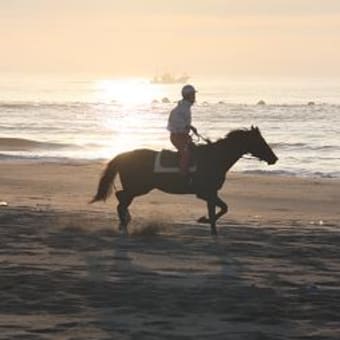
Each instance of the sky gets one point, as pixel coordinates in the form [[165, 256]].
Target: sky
[[146, 37]]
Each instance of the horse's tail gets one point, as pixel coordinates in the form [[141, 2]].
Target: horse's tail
[[106, 181]]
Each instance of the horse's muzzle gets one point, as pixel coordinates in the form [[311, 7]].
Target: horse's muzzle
[[273, 160]]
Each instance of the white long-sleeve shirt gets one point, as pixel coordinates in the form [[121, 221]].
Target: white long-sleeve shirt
[[180, 117]]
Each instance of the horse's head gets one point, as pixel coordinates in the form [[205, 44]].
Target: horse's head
[[258, 147]]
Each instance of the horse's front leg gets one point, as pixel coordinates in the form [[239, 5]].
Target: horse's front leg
[[224, 209], [212, 214]]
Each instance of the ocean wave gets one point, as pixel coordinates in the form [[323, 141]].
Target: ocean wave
[[45, 159], [50, 105], [21, 144], [296, 173], [303, 146], [203, 104], [288, 145]]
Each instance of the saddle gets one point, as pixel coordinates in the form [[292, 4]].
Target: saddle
[[167, 161]]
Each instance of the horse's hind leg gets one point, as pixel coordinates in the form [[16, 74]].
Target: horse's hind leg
[[125, 200]]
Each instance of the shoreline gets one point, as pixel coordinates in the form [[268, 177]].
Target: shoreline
[[11, 159]]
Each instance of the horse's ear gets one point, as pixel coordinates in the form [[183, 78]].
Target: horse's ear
[[252, 127]]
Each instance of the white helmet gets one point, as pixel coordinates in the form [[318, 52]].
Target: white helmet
[[188, 90]]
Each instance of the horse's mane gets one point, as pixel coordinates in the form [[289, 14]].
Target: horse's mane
[[232, 135], [236, 133]]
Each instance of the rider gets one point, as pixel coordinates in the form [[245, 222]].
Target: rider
[[179, 125]]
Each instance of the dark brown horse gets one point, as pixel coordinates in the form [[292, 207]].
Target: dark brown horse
[[137, 175]]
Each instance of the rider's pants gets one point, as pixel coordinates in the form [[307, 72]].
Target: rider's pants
[[182, 143]]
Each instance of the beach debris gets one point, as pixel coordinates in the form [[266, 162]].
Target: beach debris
[[321, 222], [311, 103], [221, 102], [261, 102], [3, 204]]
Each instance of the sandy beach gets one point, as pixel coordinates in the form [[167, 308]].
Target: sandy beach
[[67, 273]]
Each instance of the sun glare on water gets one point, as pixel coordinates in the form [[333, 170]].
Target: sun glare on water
[[133, 97]]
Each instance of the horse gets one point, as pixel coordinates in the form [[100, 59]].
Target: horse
[[214, 160]]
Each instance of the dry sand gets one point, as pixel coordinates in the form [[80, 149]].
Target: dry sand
[[66, 273]]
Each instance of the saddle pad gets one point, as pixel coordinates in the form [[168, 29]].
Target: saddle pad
[[166, 161]]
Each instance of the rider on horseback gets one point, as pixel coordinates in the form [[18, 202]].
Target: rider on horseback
[[179, 125]]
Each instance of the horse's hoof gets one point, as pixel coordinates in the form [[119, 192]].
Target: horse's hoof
[[214, 232], [203, 219], [122, 228]]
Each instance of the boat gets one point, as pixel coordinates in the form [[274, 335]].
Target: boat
[[168, 78]]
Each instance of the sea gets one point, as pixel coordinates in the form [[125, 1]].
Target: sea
[[81, 118]]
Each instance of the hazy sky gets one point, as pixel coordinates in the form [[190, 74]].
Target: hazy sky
[[136, 37]]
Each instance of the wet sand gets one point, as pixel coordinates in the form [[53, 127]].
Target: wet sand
[[66, 272]]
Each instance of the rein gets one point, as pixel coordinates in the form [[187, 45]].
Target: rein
[[200, 137]]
